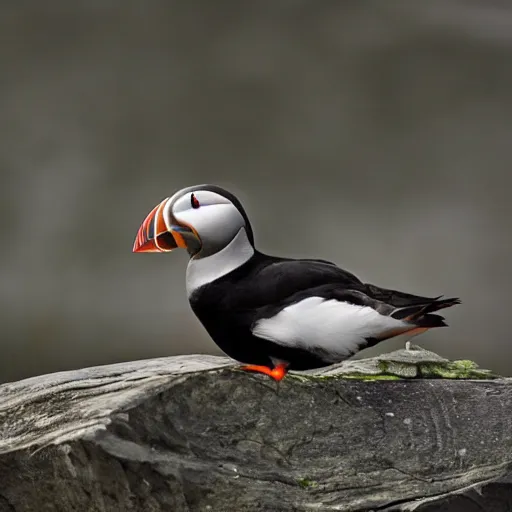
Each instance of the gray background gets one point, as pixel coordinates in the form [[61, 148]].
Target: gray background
[[375, 134]]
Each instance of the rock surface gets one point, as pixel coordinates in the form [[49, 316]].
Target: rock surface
[[193, 433]]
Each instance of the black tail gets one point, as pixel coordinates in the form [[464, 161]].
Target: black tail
[[420, 314]]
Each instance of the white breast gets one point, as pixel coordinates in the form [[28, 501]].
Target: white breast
[[201, 271], [337, 329]]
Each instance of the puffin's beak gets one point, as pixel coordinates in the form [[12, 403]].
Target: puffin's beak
[[153, 235]]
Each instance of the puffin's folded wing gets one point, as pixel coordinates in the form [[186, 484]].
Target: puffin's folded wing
[[332, 326]]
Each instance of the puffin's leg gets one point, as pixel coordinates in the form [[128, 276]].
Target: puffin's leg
[[277, 373]]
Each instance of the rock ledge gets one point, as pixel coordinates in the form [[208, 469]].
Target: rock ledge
[[193, 433]]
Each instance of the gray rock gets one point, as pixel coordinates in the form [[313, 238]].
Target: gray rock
[[193, 433]]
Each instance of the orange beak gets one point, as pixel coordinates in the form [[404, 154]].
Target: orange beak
[[153, 235]]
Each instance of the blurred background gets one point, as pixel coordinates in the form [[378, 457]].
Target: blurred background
[[382, 129]]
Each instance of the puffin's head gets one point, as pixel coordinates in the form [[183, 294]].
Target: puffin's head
[[202, 219]]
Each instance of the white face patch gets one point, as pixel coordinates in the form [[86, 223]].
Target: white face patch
[[204, 198], [201, 271], [216, 219], [327, 326]]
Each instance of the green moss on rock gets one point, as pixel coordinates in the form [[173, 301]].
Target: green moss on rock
[[306, 483], [460, 369]]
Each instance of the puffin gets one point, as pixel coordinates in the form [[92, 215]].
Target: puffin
[[274, 314]]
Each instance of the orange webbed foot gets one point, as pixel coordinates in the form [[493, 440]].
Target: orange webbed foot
[[277, 373]]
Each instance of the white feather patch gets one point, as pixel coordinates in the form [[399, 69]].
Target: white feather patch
[[202, 271], [329, 326]]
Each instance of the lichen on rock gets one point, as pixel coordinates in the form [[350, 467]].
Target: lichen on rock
[[409, 363]]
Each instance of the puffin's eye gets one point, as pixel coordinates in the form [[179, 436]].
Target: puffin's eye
[[194, 201]]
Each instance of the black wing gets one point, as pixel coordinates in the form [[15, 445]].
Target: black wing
[[280, 282], [275, 280]]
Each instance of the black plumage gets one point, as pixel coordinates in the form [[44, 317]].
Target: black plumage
[[230, 306]]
